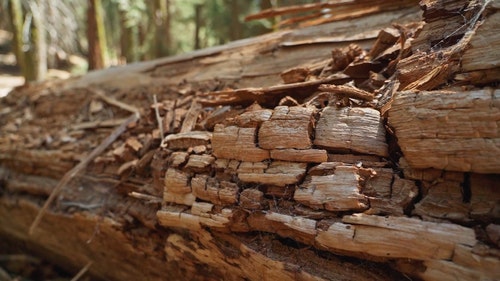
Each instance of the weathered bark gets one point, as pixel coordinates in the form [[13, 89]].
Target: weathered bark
[[30, 44], [317, 178], [96, 36]]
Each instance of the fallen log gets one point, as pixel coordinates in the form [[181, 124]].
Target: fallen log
[[359, 167]]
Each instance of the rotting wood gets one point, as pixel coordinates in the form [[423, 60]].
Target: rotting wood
[[80, 167], [342, 91], [239, 185], [450, 129]]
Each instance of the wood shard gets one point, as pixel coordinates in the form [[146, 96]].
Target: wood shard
[[177, 181], [177, 218], [357, 129], [295, 75], [253, 118], [395, 237], [186, 140], [451, 130], [200, 163], [289, 127], [347, 91], [385, 39], [232, 142], [338, 191], [178, 158]]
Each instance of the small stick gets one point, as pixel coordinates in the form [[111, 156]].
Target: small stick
[[142, 196], [158, 118], [82, 271], [100, 93], [73, 172], [346, 91]]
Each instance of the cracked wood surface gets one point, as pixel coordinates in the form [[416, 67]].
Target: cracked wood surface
[[276, 180]]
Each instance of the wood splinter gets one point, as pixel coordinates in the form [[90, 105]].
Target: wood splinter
[[346, 91]]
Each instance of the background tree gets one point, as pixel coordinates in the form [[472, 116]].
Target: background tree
[[30, 45], [96, 35], [112, 32]]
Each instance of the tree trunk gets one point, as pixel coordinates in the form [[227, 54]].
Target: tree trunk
[[31, 52], [39, 42], [16, 22], [197, 25], [235, 31], [96, 36], [294, 155]]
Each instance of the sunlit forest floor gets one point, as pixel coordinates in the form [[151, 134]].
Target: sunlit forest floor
[[9, 72]]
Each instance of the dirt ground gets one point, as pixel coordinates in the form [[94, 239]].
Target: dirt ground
[[7, 82]]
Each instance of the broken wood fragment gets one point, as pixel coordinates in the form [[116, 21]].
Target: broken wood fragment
[[458, 133], [295, 75], [187, 139], [336, 191], [365, 133], [346, 91], [266, 94]]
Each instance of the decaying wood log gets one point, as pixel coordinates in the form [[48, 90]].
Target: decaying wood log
[[376, 158], [460, 134]]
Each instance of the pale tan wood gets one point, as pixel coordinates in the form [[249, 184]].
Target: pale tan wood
[[481, 53], [277, 173], [232, 142], [252, 118], [187, 139], [363, 160], [446, 231], [178, 158], [199, 163], [488, 266], [453, 130], [346, 91], [228, 193], [392, 237], [300, 155], [177, 181], [289, 127], [338, 191], [357, 129]]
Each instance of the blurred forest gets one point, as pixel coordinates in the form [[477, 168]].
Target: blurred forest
[[76, 35]]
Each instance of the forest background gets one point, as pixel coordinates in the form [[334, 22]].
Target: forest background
[[39, 37]]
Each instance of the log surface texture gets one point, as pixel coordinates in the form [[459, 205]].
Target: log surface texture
[[364, 148]]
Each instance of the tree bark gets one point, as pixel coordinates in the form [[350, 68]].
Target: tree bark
[[16, 22], [251, 178], [96, 36], [31, 52], [197, 25]]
